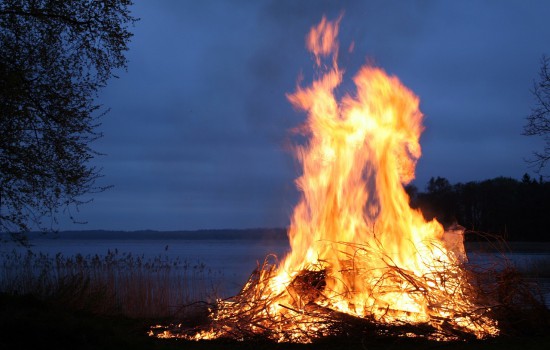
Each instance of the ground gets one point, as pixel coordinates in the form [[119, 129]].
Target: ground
[[29, 323]]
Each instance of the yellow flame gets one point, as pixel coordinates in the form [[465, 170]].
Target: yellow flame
[[357, 247], [354, 221]]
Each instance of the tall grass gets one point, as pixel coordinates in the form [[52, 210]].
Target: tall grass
[[116, 283]]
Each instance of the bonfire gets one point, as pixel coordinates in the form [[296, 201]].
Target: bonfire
[[361, 259]]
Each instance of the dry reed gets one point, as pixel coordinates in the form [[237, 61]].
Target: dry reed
[[116, 283]]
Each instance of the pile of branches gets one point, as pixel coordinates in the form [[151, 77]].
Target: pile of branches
[[247, 316], [250, 314]]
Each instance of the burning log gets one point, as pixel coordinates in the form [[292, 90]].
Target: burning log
[[308, 285]]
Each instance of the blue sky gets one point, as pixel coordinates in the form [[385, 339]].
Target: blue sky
[[198, 130]]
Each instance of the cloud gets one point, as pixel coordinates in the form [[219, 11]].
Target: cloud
[[199, 125]]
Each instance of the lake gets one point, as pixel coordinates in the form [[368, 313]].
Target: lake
[[232, 254]]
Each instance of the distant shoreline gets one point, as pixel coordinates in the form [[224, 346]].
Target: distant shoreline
[[214, 234], [275, 234]]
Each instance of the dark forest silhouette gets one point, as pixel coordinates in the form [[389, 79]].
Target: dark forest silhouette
[[510, 209]]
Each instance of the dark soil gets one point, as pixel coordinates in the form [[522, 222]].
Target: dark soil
[[29, 323]]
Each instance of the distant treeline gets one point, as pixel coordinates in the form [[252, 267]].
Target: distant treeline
[[514, 210]]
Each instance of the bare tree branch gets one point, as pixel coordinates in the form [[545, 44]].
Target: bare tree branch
[[538, 121]]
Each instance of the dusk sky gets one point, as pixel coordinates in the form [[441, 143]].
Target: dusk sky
[[198, 132]]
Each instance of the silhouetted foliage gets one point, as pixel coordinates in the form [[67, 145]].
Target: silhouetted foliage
[[54, 58], [512, 209], [439, 200], [538, 121]]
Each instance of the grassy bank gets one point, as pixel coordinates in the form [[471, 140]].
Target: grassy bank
[[29, 322]]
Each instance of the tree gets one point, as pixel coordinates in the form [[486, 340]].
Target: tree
[[538, 121], [442, 198], [55, 56]]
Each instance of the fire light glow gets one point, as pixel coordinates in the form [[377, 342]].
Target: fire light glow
[[358, 250]]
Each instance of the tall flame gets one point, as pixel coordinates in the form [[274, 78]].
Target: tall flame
[[357, 247], [354, 220]]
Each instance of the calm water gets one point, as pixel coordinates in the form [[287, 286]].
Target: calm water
[[233, 259], [233, 255]]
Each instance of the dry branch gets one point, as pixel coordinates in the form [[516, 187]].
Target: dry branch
[[250, 314]]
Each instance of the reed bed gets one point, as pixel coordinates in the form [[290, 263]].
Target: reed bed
[[111, 284]]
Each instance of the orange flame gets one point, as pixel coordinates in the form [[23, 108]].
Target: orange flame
[[354, 220], [357, 247]]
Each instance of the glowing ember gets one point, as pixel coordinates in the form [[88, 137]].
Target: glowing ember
[[360, 256]]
